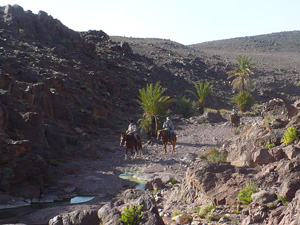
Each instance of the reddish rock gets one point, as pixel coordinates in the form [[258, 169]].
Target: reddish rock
[[262, 156]]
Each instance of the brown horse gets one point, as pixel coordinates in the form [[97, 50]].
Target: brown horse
[[129, 141], [165, 137], [234, 120]]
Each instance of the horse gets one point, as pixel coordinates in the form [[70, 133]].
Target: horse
[[165, 137], [129, 141], [234, 120]]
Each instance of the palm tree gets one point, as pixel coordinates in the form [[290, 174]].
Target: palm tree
[[202, 91], [154, 105], [242, 74]]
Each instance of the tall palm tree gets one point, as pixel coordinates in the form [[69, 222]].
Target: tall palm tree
[[154, 105], [202, 92], [242, 74]]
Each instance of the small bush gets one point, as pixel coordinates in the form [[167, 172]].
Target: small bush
[[89, 90], [282, 199], [177, 213], [243, 101], [212, 216], [290, 135], [213, 155], [184, 107], [237, 131], [270, 145], [205, 210], [244, 196], [269, 119], [173, 181], [132, 215]]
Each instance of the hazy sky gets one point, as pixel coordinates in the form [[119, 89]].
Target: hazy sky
[[183, 21]]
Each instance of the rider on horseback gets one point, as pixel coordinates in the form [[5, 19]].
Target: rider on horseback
[[169, 125], [235, 112], [132, 131]]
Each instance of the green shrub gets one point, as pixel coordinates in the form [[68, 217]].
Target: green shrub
[[270, 145], [89, 90], [205, 210], [282, 199], [269, 119], [212, 216], [132, 215], [243, 101], [237, 131], [244, 196], [173, 181], [184, 107], [290, 135], [177, 213], [213, 155]]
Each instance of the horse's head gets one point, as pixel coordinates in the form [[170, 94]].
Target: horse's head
[[122, 139]]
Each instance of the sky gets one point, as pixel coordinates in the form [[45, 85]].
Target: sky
[[183, 21]]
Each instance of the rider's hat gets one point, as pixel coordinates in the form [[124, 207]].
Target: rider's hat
[[167, 118]]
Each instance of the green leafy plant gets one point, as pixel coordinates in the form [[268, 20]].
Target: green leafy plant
[[212, 216], [290, 135], [89, 90], [270, 145], [184, 107], [243, 101], [237, 131], [282, 199], [244, 195], [173, 181], [202, 92], [242, 74], [132, 215], [177, 213], [213, 155], [268, 119], [155, 106], [205, 210]]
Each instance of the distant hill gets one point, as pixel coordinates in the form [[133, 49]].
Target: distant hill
[[275, 42], [269, 50]]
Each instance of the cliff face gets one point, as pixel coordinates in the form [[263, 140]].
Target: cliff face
[[60, 91]]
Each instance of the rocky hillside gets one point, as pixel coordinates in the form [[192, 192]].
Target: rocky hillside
[[64, 93], [275, 42]]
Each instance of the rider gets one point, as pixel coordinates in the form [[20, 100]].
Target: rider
[[169, 125], [132, 131], [234, 112]]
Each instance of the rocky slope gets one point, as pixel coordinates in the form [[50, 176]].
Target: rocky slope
[[65, 97]]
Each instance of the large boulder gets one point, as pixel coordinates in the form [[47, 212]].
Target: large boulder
[[279, 109], [82, 217], [250, 145]]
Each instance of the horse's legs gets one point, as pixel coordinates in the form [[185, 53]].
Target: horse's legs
[[141, 148], [126, 155], [165, 144], [135, 153]]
